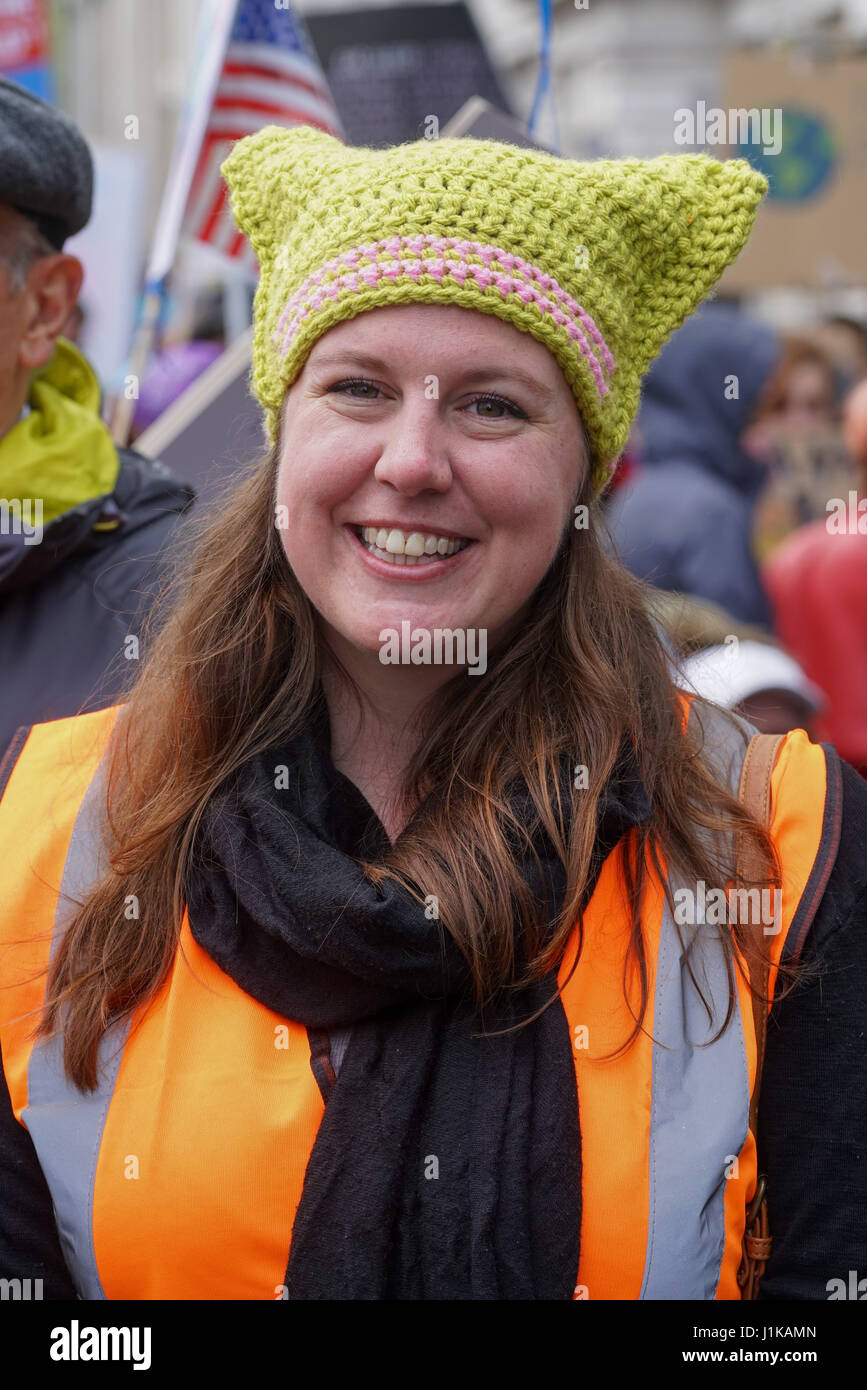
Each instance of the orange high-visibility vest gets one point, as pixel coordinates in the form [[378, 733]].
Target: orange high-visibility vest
[[180, 1177]]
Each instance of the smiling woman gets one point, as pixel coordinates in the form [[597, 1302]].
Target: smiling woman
[[393, 957], [463, 509]]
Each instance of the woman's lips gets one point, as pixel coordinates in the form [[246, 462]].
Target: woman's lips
[[429, 568]]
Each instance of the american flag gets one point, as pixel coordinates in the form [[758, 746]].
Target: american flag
[[270, 76]]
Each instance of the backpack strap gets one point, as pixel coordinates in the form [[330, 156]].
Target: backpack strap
[[754, 793]]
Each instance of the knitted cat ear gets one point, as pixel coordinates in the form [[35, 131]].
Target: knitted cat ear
[[655, 236], [678, 222], [261, 171]]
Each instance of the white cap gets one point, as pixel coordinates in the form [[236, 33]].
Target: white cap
[[734, 671]]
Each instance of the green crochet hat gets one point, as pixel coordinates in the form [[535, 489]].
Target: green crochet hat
[[600, 261]]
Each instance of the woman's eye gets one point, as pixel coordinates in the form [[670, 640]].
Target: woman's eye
[[500, 403], [345, 387]]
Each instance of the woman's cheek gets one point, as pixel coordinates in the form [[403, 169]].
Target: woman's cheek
[[303, 492], [323, 482], [529, 524]]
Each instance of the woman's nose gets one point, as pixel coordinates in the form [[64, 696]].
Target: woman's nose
[[415, 455]]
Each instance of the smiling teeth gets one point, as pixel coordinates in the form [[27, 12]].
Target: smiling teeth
[[403, 548]]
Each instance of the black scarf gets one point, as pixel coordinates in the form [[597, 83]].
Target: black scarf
[[446, 1166]]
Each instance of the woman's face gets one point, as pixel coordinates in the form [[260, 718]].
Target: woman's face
[[809, 396], [390, 458]]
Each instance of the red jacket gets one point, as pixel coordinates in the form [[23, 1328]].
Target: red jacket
[[817, 583]]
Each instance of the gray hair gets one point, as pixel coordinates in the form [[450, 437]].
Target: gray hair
[[21, 243]]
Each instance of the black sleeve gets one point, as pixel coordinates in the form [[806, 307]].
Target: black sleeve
[[29, 1245], [813, 1103]]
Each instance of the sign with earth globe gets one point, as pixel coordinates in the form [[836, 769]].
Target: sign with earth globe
[[805, 162]]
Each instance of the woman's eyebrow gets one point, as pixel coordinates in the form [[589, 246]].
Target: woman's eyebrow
[[361, 359], [482, 374], [478, 374]]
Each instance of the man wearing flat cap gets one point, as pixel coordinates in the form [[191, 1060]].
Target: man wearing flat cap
[[84, 526]]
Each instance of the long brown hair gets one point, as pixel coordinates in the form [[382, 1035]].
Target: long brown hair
[[232, 667]]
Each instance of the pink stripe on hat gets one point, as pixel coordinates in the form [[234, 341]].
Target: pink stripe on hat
[[526, 282]]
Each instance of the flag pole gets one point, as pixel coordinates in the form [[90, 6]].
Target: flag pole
[[212, 38], [145, 330]]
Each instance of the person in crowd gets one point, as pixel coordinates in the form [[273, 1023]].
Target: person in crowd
[[85, 526], [817, 580], [795, 431], [799, 397], [378, 970], [685, 521], [736, 665], [845, 341], [758, 681]]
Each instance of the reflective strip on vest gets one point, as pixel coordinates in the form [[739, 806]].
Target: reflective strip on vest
[[181, 1175], [668, 1159], [700, 1105], [65, 1125], [700, 1102]]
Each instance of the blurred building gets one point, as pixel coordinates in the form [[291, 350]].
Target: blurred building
[[116, 58], [621, 68]]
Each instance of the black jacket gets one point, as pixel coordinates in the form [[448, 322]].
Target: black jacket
[[68, 604]]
